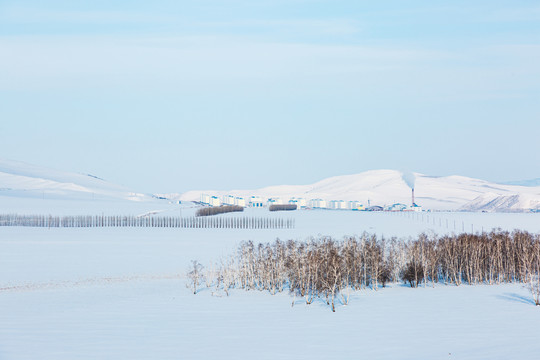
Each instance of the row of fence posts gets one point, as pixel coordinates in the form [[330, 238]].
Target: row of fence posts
[[239, 222], [430, 218]]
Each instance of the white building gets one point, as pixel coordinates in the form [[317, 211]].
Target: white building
[[240, 201], [397, 207], [337, 205], [229, 200], [215, 201], [205, 198], [355, 205], [274, 201], [299, 202], [317, 204], [256, 201]]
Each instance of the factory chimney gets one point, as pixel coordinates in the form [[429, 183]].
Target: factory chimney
[[409, 179]]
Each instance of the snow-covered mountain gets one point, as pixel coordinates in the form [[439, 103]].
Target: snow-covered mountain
[[385, 187], [377, 187], [19, 179]]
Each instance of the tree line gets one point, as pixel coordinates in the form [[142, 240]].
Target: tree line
[[282, 207], [328, 269], [207, 211], [80, 221]]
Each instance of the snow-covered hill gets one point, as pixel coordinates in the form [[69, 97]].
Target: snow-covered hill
[[30, 181], [27, 189], [377, 187], [385, 187]]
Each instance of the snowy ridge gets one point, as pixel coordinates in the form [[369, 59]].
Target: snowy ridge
[[19, 179], [376, 187], [385, 187], [496, 202]]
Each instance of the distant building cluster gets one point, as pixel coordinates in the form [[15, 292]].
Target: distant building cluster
[[233, 200], [301, 203], [210, 200]]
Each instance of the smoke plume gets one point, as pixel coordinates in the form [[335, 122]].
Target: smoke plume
[[409, 178]]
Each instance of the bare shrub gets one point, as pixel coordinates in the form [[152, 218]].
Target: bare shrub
[[413, 273], [195, 276], [533, 270], [533, 286], [385, 275], [282, 207], [208, 211]]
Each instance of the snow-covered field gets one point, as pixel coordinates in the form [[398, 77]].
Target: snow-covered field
[[116, 293]]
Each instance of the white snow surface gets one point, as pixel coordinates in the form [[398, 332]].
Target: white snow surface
[[18, 179], [386, 187], [377, 187], [31, 189], [119, 293]]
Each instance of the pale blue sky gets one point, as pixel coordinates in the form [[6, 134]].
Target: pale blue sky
[[169, 96]]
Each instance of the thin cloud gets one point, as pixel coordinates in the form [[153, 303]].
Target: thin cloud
[[41, 61], [193, 63], [43, 16], [312, 26], [513, 14]]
